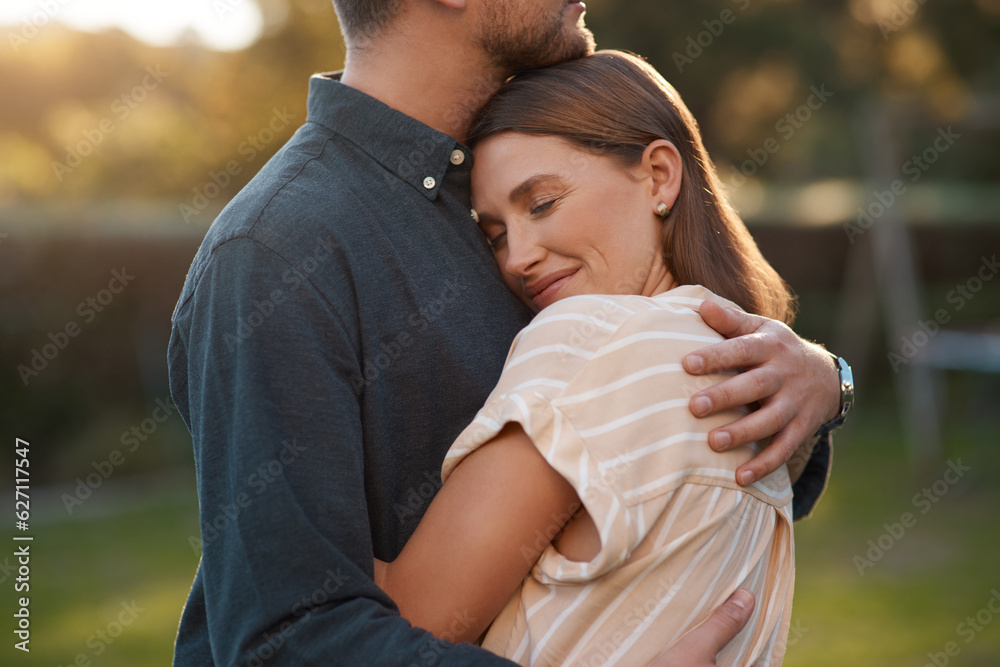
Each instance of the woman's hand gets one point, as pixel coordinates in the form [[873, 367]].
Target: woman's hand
[[699, 647], [795, 382]]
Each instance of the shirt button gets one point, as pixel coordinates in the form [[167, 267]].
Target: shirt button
[[457, 157], [429, 182]]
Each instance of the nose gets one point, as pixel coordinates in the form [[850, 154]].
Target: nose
[[523, 251]]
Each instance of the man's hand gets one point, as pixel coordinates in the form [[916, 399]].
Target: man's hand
[[699, 647], [795, 382]]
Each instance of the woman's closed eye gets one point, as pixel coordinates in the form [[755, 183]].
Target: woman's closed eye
[[496, 240], [543, 206]]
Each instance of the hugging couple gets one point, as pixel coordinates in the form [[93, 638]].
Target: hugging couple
[[605, 499]]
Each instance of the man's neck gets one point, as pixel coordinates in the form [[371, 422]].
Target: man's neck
[[440, 89]]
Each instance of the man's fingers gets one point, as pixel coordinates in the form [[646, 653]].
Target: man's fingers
[[699, 647], [729, 322], [732, 616], [725, 622], [757, 425], [780, 449], [744, 389], [732, 354]]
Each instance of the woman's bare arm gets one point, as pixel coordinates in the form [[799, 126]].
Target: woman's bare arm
[[481, 535]]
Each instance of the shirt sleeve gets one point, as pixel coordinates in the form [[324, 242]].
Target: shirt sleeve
[[260, 367], [610, 414], [811, 484]]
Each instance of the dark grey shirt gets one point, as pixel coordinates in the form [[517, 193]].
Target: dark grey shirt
[[342, 322]]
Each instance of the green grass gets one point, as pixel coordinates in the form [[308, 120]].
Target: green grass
[[83, 571], [906, 604], [910, 601]]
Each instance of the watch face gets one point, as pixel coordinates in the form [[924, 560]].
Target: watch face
[[846, 387]]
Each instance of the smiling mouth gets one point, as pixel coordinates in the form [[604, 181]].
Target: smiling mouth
[[544, 290]]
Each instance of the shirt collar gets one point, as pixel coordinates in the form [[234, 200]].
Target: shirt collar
[[414, 152]]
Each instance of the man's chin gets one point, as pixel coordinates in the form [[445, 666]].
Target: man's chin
[[581, 44]]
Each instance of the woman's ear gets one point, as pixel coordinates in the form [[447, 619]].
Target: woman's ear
[[662, 164]]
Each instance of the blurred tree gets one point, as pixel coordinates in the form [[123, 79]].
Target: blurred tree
[[83, 126]]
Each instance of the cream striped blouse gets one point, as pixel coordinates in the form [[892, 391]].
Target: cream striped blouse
[[596, 383]]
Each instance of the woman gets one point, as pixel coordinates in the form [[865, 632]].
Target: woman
[[584, 519]]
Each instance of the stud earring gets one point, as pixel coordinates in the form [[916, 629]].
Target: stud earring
[[662, 210]]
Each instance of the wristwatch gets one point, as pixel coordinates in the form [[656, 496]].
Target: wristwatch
[[846, 397]]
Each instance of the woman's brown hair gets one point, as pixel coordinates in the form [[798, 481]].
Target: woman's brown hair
[[615, 104]]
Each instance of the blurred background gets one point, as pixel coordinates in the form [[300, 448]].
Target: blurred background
[[859, 140]]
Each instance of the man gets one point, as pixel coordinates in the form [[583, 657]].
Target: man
[[344, 320]]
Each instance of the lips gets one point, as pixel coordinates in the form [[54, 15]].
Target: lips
[[541, 290]]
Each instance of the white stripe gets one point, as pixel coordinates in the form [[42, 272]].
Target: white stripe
[[539, 382], [533, 609], [661, 605], [612, 607], [579, 317], [633, 417], [655, 335], [682, 300], [623, 382], [612, 303], [663, 481], [521, 648], [525, 412], [584, 592], [654, 447], [774, 598], [558, 348], [755, 587], [486, 421], [709, 590], [771, 494], [678, 501], [745, 570]]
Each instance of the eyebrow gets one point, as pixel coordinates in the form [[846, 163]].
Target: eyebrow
[[524, 188]]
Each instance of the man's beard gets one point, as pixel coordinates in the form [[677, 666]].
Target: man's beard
[[513, 43]]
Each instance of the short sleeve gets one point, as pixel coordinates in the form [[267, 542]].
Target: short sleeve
[[544, 359], [609, 411]]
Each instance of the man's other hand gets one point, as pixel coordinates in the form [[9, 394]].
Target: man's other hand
[[699, 647]]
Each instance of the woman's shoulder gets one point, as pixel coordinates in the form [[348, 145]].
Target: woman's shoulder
[[587, 322]]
